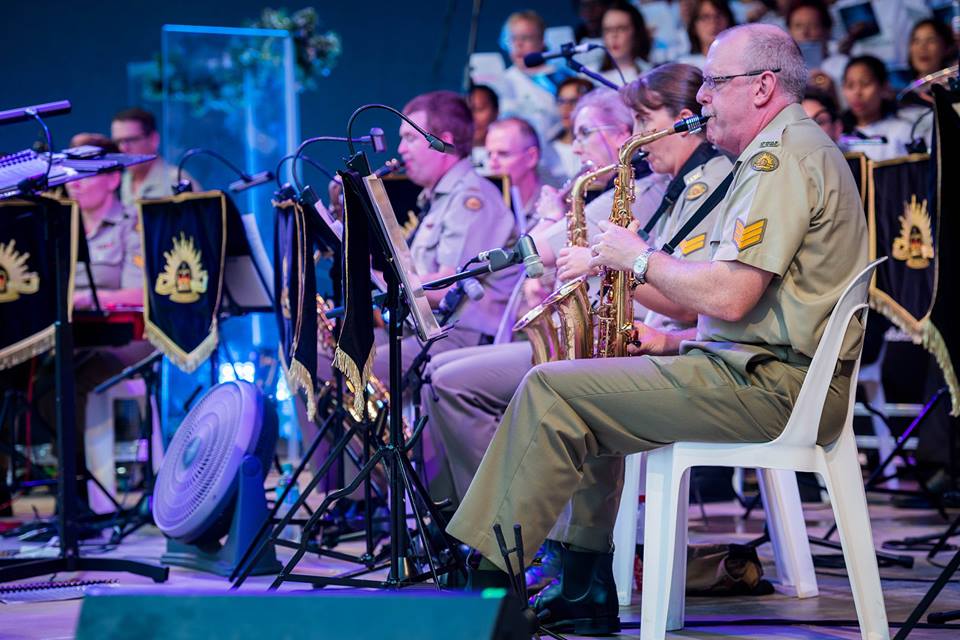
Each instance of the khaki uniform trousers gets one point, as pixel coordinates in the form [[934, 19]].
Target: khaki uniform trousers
[[434, 460], [471, 389], [566, 431]]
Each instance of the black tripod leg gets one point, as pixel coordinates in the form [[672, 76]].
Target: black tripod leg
[[311, 523], [929, 597], [243, 568]]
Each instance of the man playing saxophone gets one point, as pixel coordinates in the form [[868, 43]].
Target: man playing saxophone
[[471, 387], [788, 237]]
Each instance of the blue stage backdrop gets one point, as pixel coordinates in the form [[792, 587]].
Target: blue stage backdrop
[[91, 54]]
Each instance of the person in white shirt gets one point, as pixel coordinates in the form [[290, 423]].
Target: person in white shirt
[[891, 43], [627, 41], [667, 22], [529, 93], [707, 20], [871, 123]]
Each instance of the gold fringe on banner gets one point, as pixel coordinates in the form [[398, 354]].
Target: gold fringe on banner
[[186, 362], [343, 362], [34, 345], [298, 377], [924, 333]]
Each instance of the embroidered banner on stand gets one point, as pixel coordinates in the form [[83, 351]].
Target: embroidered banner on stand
[[28, 296], [184, 243], [296, 305]]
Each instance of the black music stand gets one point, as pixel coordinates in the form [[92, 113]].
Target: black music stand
[[403, 481], [69, 558]]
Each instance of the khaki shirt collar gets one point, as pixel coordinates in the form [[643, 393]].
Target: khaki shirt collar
[[770, 135]]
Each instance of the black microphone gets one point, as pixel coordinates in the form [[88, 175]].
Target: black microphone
[[524, 252], [566, 51], [26, 113], [469, 287], [248, 181]]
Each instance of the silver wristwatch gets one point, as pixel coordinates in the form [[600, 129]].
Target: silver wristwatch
[[640, 265]]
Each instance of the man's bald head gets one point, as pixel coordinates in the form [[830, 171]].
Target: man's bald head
[[752, 73], [769, 47]]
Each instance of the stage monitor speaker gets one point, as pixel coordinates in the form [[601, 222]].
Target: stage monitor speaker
[[147, 612]]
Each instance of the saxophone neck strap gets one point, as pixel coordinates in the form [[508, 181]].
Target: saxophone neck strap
[[709, 205], [701, 155]]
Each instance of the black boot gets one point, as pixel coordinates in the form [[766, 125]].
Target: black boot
[[584, 601], [545, 568], [479, 579]]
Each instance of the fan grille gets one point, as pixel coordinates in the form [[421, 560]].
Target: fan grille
[[196, 482]]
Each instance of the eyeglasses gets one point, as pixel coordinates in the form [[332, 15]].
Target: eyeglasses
[[712, 82], [619, 30], [583, 133], [120, 142]]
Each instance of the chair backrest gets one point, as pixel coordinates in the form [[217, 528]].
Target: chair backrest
[[802, 428]]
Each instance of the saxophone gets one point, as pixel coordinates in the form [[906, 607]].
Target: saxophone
[[572, 338], [613, 315]]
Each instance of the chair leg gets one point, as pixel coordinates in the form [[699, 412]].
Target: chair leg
[[664, 563], [845, 485], [788, 532], [625, 531]]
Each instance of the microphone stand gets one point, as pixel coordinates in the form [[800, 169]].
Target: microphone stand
[[593, 75]]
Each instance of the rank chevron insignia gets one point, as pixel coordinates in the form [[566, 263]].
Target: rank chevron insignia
[[747, 236], [693, 244]]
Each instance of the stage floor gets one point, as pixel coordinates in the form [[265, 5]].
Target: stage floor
[[903, 588]]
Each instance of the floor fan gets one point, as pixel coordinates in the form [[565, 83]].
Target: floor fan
[[211, 480]]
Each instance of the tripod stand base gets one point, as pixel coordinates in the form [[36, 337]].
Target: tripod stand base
[[31, 569]]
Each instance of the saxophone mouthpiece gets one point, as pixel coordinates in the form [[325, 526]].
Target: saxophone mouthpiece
[[693, 124]]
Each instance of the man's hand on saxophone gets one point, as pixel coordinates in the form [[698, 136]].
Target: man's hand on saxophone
[[648, 341], [573, 262], [617, 247]]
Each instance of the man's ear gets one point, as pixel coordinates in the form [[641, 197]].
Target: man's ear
[[765, 87]]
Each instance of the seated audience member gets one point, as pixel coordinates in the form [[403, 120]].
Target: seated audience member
[[590, 13], [809, 23], [822, 109], [627, 41], [485, 107], [931, 49], [892, 42], [871, 123], [667, 22], [135, 131], [560, 162], [707, 20], [530, 93]]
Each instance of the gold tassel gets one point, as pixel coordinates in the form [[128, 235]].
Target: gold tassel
[[924, 333], [186, 362], [345, 364], [298, 377], [34, 345]]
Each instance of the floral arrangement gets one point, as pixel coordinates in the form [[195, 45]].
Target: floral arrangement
[[316, 53]]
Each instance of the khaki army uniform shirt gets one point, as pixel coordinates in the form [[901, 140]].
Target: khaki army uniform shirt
[[158, 184], [793, 210], [116, 258], [699, 183], [467, 215]]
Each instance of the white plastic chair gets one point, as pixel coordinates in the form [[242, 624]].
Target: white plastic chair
[[785, 524], [795, 449]]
